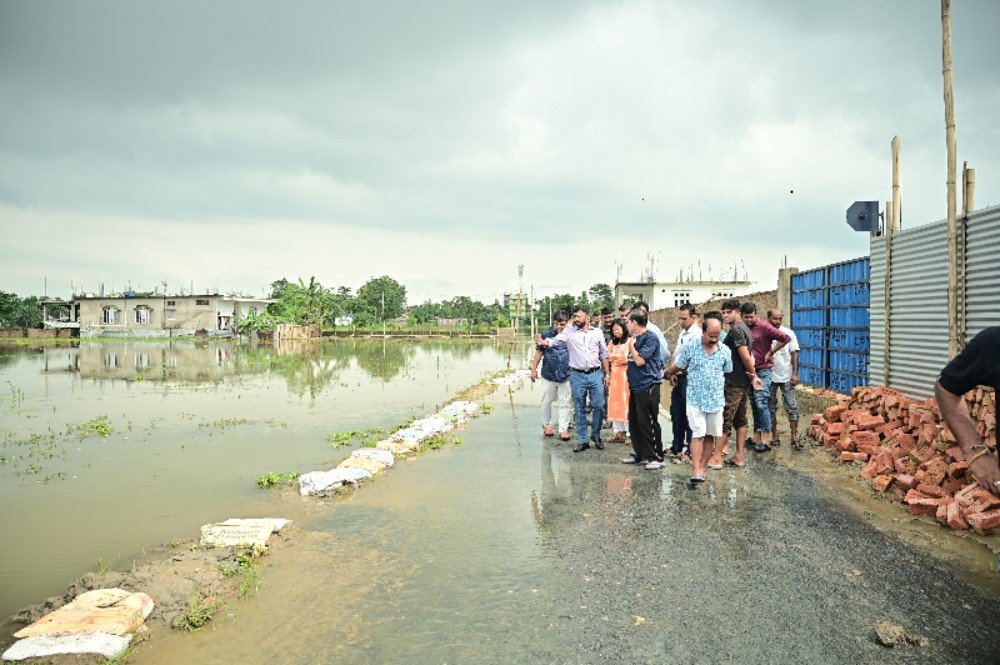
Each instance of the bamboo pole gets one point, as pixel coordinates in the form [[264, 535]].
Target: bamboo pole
[[896, 207], [968, 203], [887, 337], [949, 127]]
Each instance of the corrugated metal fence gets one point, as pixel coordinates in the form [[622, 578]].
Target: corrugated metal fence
[[917, 332], [830, 318]]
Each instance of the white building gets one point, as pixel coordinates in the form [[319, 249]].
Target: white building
[[666, 295]]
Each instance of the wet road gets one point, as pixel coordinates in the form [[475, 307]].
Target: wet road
[[511, 548]]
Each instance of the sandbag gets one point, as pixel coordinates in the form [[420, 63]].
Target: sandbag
[[315, 482], [104, 644], [113, 611]]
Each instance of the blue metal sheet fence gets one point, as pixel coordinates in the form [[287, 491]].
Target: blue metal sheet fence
[[830, 318]]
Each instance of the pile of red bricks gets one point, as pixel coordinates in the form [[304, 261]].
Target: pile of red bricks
[[910, 453]]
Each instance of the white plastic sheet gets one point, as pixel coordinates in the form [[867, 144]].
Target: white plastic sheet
[[513, 378], [276, 524], [319, 481], [104, 644], [422, 429]]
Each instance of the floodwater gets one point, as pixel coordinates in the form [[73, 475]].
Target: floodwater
[[193, 427], [511, 548]]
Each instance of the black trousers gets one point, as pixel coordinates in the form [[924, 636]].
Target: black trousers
[[643, 412], [678, 415]]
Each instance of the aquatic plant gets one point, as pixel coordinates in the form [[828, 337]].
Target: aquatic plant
[[88, 429], [272, 479]]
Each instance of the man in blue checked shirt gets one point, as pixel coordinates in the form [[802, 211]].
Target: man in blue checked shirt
[[706, 364]]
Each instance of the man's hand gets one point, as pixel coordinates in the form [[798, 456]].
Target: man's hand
[[795, 379], [541, 342], [534, 374], [673, 379], [767, 357], [757, 383], [987, 471]]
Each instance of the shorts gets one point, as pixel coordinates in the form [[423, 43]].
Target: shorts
[[734, 416], [704, 423]]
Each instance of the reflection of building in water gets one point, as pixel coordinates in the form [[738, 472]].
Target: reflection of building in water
[[157, 316], [166, 363]]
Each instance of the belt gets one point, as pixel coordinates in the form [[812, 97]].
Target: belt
[[585, 371]]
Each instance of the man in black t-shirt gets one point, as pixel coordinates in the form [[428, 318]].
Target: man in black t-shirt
[[977, 365], [739, 382]]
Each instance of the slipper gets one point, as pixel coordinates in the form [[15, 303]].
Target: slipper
[[655, 466], [762, 448], [548, 431], [715, 467], [681, 459], [775, 443], [732, 462], [797, 445], [632, 459], [698, 478]]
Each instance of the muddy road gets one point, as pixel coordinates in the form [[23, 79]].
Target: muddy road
[[511, 548]]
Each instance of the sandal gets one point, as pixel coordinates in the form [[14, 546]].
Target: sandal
[[732, 462], [797, 445], [762, 448], [681, 459], [776, 442], [655, 466], [548, 431], [715, 467], [698, 478], [631, 459]]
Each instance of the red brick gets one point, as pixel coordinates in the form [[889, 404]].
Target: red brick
[[870, 449], [919, 475], [836, 428], [955, 453], [965, 496], [881, 483], [869, 422], [851, 415], [888, 426], [952, 486], [937, 470], [906, 442], [958, 469], [904, 481], [930, 490], [844, 444], [914, 495], [900, 466], [864, 438], [870, 470], [817, 418], [853, 457], [985, 503], [955, 519], [927, 507], [942, 513], [984, 523], [830, 440], [832, 413]]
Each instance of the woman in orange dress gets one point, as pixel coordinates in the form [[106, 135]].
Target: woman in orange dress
[[618, 391]]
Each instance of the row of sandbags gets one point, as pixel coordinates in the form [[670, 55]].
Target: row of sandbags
[[364, 463]]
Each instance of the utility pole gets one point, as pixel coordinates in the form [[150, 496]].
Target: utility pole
[[949, 128]]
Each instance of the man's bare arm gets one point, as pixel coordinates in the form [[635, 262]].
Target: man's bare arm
[[956, 414]]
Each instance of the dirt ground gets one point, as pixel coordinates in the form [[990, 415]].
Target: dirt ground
[[177, 576]]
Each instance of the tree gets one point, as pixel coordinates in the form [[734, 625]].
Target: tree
[[300, 303], [601, 296], [18, 312], [382, 298]]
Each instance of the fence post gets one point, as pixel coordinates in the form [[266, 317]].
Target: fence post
[[887, 299], [949, 130]]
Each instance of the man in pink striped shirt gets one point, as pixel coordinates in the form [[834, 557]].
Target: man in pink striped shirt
[[766, 341]]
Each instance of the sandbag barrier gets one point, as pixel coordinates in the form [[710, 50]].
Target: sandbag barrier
[[910, 454], [364, 463]]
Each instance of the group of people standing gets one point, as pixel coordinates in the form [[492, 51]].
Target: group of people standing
[[615, 366]]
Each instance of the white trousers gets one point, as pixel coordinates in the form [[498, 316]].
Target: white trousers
[[560, 394]]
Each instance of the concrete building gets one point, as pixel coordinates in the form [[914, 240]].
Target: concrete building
[[664, 295], [211, 315]]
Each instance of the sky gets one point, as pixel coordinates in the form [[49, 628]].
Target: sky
[[227, 144]]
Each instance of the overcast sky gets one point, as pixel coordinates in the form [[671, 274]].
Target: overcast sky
[[443, 143]]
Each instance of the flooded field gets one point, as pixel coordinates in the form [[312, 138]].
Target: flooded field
[[107, 449]]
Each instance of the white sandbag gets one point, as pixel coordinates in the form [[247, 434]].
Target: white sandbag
[[275, 523], [113, 611], [458, 411], [315, 482], [235, 535], [422, 429], [401, 448], [372, 466], [104, 644], [377, 454], [513, 378]]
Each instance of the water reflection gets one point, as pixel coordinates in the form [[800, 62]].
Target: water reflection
[[308, 366]]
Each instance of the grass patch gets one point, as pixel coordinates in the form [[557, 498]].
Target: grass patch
[[439, 441], [198, 613], [272, 479], [245, 567]]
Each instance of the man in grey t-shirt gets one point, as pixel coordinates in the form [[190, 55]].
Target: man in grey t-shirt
[[738, 385]]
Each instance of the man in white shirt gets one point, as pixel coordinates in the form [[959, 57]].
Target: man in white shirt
[[784, 378], [690, 331]]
